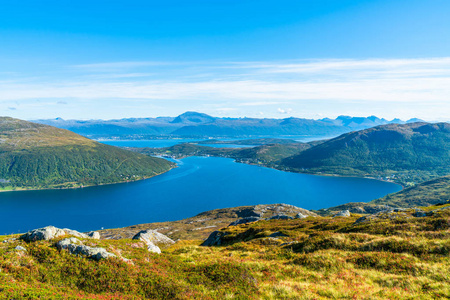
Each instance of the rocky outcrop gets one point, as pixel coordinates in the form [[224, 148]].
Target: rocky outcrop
[[75, 246], [214, 239], [42, 234], [76, 233], [300, 216], [152, 239], [94, 235], [244, 221], [51, 232], [64, 244], [342, 213]]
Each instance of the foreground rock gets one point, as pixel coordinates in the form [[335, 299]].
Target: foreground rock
[[152, 238], [52, 232], [94, 235], [342, 213], [214, 239], [74, 246], [42, 234], [76, 233]]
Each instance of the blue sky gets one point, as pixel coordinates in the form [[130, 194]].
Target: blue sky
[[313, 59]]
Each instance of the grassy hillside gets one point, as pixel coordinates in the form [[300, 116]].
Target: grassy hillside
[[35, 156], [427, 193], [408, 153], [395, 256], [432, 192]]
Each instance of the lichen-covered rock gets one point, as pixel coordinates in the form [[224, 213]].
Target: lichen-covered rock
[[342, 213], [64, 244], [244, 221], [20, 248], [153, 236], [96, 253], [300, 216], [45, 233], [94, 235], [75, 233], [153, 248]]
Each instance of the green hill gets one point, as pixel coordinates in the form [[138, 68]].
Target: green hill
[[36, 156], [406, 153], [431, 192]]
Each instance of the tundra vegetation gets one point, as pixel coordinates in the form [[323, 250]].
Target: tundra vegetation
[[394, 255]]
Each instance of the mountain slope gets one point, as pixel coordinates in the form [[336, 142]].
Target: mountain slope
[[418, 150], [40, 156]]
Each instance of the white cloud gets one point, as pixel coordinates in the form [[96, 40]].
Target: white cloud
[[252, 85]]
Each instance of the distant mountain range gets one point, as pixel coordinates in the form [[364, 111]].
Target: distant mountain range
[[194, 124], [37, 156]]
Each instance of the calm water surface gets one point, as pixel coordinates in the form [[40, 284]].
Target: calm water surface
[[197, 185]]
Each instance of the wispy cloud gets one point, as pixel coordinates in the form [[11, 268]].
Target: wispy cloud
[[251, 85]]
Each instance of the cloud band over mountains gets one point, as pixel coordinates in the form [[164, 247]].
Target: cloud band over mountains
[[302, 88]]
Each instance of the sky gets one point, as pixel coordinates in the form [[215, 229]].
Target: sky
[[269, 59]]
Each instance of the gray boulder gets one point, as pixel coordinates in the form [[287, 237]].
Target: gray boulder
[[74, 246], [96, 253], [94, 235], [64, 244], [153, 236], [76, 233], [342, 213], [20, 248], [300, 216], [244, 221], [45, 233], [153, 248], [248, 212], [214, 239]]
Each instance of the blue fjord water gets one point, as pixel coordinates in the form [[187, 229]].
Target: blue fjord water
[[197, 185]]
